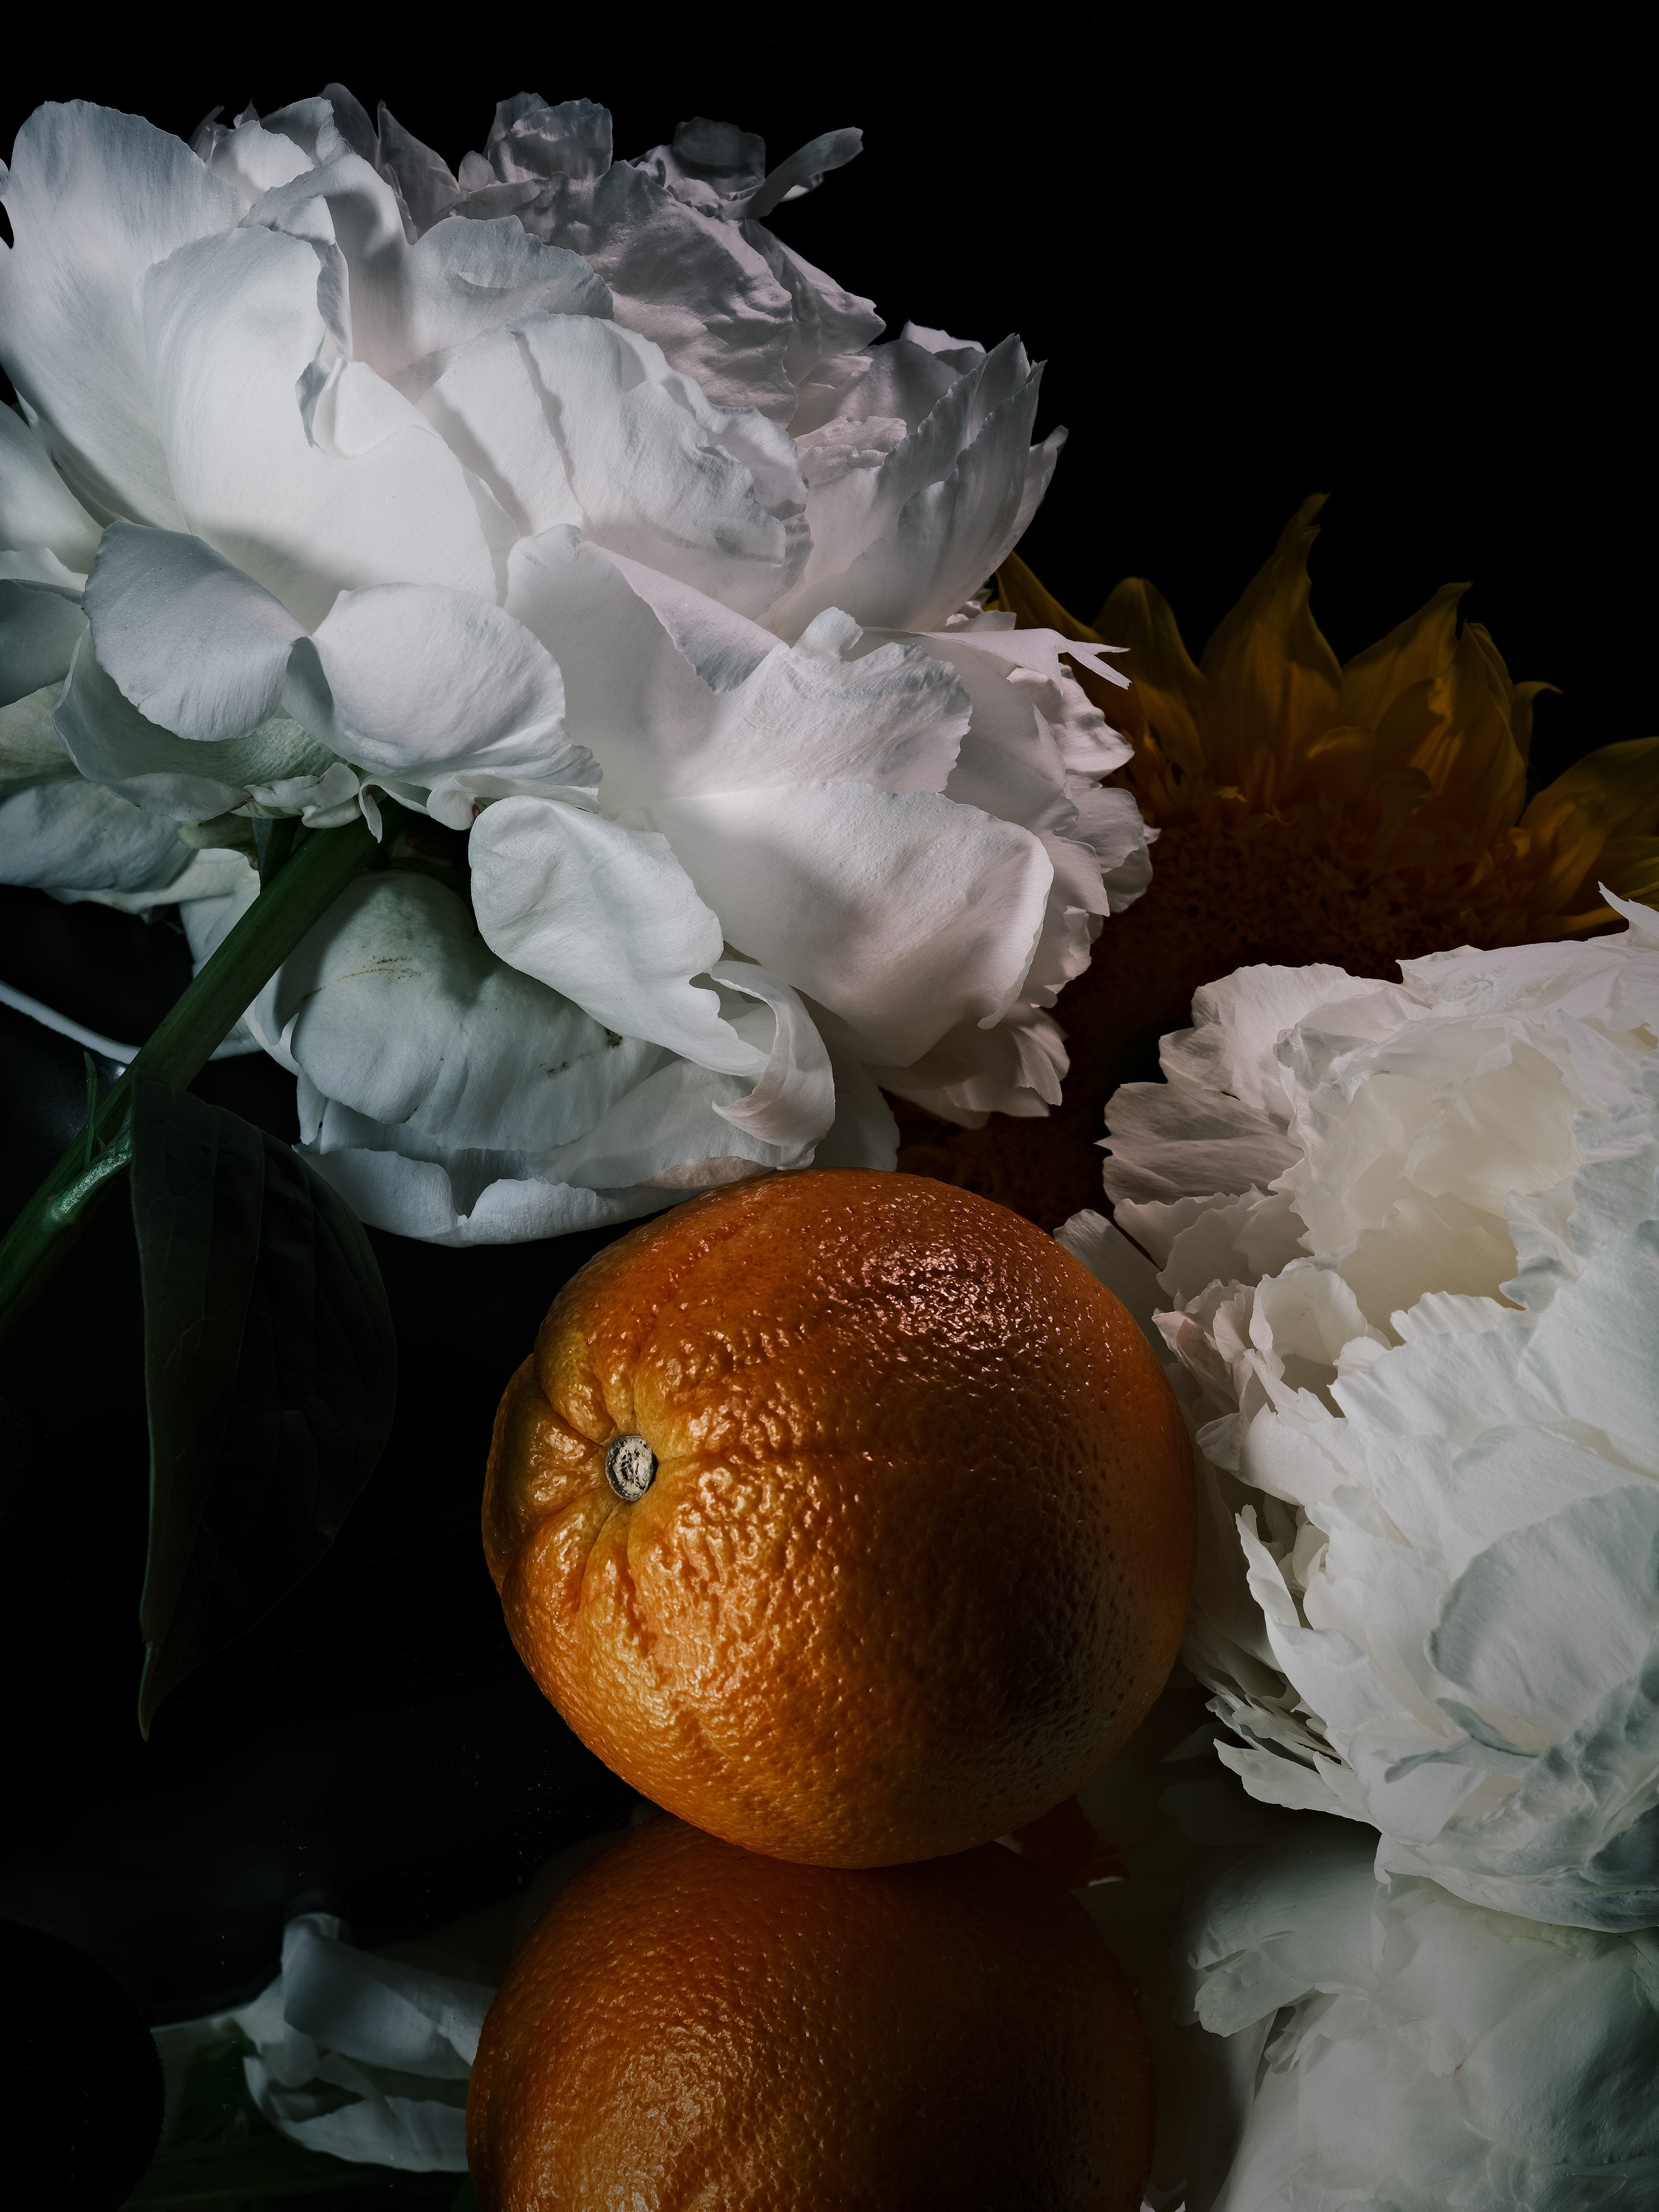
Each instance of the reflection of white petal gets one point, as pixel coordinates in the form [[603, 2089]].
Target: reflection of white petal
[[1402, 2048], [903, 913], [96, 198]]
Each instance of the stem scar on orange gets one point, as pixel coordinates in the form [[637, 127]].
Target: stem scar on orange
[[691, 2029], [845, 1515]]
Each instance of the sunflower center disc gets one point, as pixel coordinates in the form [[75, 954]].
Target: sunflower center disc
[[631, 1467]]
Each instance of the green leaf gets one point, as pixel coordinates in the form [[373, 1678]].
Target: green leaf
[[270, 1370]]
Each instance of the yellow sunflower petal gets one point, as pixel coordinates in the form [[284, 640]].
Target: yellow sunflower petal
[[1166, 694], [1464, 740], [1274, 683], [1603, 812], [1417, 650]]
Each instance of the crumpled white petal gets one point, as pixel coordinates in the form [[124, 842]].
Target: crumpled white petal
[[441, 690], [191, 642], [1409, 1237], [609, 917]]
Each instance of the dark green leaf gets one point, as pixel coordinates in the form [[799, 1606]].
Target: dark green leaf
[[270, 1368]]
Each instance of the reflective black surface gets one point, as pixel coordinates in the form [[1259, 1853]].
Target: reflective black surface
[[81, 2073], [373, 1745]]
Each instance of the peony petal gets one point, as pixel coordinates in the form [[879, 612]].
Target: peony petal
[[1594, 1350], [459, 282], [40, 629], [393, 1005], [30, 748], [900, 546], [1124, 1269], [440, 689], [608, 917], [694, 287], [1170, 1139], [417, 1198], [194, 643], [572, 420], [232, 326], [78, 841], [253, 159], [1538, 1623], [675, 1132], [96, 198], [904, 914], [794, 1102], [1237, 1025], [109, 740], [37, 508], [825, 706]]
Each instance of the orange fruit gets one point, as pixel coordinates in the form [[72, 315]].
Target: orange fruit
[[916, 1546], [691, 2029]]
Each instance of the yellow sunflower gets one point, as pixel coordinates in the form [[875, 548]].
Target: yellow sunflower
[[1307, 811]]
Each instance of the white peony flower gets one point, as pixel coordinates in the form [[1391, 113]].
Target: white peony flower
[[1353, 2045], [562, 502], [1409, 1248]]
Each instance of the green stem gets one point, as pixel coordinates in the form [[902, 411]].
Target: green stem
[[288, 903]]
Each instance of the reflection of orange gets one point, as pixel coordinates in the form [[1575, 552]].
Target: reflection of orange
[[918, 1546], [691, 2027]]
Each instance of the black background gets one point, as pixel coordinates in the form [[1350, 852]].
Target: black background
[[1383, 262]]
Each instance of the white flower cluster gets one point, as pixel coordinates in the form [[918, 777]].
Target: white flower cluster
[[562, 501], [1408, 1238]]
